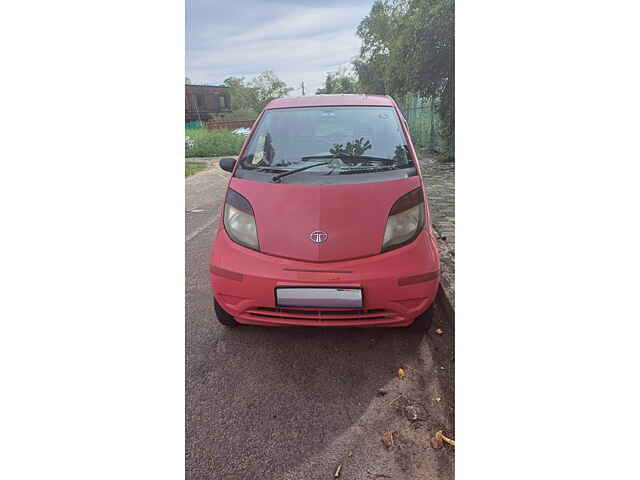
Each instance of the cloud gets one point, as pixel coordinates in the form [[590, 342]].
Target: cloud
[[298, 40]]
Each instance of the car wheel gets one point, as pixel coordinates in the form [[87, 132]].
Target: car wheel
[[423, 321], [223, 317]]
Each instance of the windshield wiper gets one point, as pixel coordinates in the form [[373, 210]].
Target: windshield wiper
[[366, 170], [276, 178], [346, 156], [270, 169]]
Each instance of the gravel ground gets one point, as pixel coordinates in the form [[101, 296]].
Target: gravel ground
[[439, 176]]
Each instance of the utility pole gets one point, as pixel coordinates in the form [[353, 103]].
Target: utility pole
[[303, 88]]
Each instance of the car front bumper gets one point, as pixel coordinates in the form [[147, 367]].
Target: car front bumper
[[397, 286]]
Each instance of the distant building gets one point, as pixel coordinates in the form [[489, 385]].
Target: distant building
[[205, 101]]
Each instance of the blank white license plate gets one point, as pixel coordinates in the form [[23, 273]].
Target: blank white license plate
[[319, 297]]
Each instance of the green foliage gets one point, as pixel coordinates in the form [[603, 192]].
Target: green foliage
[[213, 143], [408, 48], [370, 75], [242, 95], [243, 114], [250, 97], [339, 82], [376, 63], [267, 86], [193, 167]]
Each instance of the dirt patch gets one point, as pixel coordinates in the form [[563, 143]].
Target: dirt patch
[[417, 406]]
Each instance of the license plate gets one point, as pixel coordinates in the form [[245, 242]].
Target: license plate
[[319, 297]]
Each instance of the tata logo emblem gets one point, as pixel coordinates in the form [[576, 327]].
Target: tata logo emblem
[[318, 236]]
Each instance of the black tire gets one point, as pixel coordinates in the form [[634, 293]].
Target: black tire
[[423, 321], [223, 317]]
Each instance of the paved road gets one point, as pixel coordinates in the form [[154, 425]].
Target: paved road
[[291, 403]]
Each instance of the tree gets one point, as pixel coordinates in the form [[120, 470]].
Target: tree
[[427, 43], [408, 48], [266, 87], [375, 64], [248, 98], [370, 75], [242, 95], [339, 82]]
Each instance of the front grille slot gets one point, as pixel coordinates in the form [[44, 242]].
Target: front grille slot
[[327, 315]]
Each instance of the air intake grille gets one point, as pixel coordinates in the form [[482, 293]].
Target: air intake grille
[[321, 315]]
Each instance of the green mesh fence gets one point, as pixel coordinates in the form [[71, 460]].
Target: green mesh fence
[[424, 123]]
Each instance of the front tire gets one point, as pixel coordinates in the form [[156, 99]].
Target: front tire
[[423, 321], [223, 317]]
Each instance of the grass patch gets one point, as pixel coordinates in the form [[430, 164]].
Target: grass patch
[[246, 114], [213, 143], [193, 167]]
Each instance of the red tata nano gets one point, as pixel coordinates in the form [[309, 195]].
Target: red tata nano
[[325, 220]]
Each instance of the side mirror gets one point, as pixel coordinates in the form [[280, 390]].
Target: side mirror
[[227, 164]]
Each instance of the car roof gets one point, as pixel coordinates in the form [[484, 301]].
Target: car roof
[[345, 99]]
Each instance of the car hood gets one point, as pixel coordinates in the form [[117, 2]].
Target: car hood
[[353, 216]]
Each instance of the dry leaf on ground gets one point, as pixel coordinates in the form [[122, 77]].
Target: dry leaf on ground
[[387, 439], [439, 438]]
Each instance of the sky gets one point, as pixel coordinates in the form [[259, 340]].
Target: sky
[[297, 39]]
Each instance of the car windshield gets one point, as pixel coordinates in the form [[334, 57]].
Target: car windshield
[[327, 145]]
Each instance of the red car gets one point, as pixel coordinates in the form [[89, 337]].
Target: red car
[[325, 221]]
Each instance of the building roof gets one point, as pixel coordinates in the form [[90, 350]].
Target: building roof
[[207, 86], [345, 99]]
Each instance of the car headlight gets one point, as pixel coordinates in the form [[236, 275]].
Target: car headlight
[[239, 220], [405, 222]]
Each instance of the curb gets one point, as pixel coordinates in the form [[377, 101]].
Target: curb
[[446, 290], [205, 160], [445, 302]]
